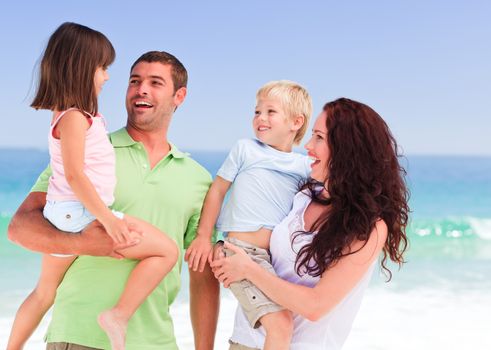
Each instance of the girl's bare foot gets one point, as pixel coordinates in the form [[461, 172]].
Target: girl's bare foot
[[115, 327]]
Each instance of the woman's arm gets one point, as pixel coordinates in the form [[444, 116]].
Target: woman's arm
[[311, 303], [71, 130]]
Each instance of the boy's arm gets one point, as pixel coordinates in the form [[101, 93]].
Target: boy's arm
[[31, 230], [199, 250], [211, 207]]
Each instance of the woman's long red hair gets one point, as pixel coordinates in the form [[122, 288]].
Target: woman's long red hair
[[366, 183]]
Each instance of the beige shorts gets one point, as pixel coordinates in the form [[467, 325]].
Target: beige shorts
[[237, 346], [67, 346], [254, 303]]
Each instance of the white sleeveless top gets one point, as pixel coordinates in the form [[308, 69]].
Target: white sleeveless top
[[328, 333]]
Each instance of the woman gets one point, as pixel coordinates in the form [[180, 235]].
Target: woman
[[325, 250]]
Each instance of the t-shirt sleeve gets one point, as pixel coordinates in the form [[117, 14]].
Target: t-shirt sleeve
[[231, 166], [42, 182]]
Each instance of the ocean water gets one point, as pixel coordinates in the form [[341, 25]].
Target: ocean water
[[440, 299]]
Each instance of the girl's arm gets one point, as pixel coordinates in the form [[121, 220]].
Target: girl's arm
[[312, 303], [200, 249], [71, 130]]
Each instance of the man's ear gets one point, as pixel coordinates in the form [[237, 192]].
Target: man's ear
[[180, 95], [298, 122]]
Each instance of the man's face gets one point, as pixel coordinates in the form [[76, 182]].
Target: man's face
[[150, 98]]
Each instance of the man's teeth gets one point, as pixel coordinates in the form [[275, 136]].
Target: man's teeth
[[142, 104], [263, 128]]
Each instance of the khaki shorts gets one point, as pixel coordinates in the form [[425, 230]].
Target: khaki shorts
[[237, 346], [67, 346], [254, 303]]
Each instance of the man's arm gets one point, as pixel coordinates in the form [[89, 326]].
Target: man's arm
[[204, 292], [31, 230]]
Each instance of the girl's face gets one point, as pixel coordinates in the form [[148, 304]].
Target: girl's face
[[100, 77], [318, 149]]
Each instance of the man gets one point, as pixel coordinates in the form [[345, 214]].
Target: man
[[157, 183]]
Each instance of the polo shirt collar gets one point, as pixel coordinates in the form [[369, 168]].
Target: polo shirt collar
[[121, 138]]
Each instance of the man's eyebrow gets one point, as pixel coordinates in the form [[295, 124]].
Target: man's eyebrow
[[157, 77], [151, 77]]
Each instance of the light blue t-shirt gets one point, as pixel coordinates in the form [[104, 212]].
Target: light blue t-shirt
[[264, 182]]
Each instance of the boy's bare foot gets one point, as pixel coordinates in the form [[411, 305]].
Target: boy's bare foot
[[115, 327]]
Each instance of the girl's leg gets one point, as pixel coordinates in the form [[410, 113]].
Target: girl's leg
[[279, 330], [39, 301], [158, 254]]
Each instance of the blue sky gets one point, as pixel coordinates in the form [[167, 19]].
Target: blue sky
[[425, 66]]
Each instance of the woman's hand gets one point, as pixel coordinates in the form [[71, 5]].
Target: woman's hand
[[232, 268]]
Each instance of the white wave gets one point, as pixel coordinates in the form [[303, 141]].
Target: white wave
[[6, 214], [424, 318], [481, 227]]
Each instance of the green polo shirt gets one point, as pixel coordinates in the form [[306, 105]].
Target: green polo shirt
[[169, 196]]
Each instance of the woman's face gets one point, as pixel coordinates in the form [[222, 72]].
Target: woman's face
[[318, 149]]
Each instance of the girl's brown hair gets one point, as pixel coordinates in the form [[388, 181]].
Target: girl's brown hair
[[366, 183], [72, 56]]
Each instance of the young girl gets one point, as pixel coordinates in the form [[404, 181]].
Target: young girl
[[73, 70]]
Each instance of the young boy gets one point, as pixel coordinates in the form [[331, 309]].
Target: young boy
[[263, 175]]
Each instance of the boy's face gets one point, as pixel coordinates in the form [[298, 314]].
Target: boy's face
[[272, 125]]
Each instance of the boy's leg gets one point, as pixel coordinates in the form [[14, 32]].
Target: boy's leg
[[279, 330], [258, 308], [39, 301], [158, 254]]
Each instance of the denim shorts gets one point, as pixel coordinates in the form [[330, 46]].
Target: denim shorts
[[68, 216]]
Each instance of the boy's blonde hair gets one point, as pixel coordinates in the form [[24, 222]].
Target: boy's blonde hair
[[295, 100]]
